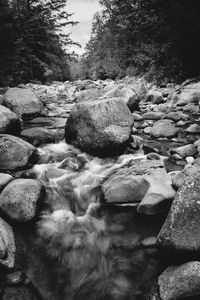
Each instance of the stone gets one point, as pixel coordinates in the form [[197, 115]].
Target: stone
[[194, 128], [133, 103], [7, 245], [180, 178], [9, 121], [16, 154], [184, 151], [137, 117], [21, 199], [137, 181], [163, 128], [180, 281], [176, 116], [197, 143], [154, 115], [38, 136], [155, 97], [4, 180], [147, 130], [188, 94], [24, 102], [181, 228], [99, 127], [191, 108], [181, 123]]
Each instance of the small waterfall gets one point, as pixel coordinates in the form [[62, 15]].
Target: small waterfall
[[86, 250]]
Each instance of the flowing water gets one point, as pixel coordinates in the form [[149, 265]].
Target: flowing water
[[84, 249]]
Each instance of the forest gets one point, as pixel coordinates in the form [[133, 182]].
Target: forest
[[157, 39]]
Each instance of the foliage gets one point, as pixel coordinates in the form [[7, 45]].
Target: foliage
[[158, 38], [33, 43]]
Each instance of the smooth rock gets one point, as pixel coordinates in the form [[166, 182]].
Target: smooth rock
[[194, 128], [137, 181], [21, 199], [24, 102], [9, 121], [179, 282], [99, 126], [157, 115], [16, 154], [4, 180], [38, 136], [181, 228], [137, 117], [155, 97], [184, 151], [181, 177], [147, 130], [7, 245], [163, 128], [176, 116], [1, 99], [191, 108]]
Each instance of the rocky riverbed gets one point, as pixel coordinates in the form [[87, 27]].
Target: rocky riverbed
[[100, 191]]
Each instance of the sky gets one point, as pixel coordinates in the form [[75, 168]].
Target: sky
[[84, 11]]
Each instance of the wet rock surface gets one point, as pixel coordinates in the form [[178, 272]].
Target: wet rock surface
[[21, 199], [15, 153]]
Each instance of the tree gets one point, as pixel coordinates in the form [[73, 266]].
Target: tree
[[38, 44]]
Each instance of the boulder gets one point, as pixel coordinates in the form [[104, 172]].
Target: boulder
[[194, 128], [139, 181], [153, 115], [163, 128], [133, 103], [38, 136], [187, 94], [179, 282], [99, 126], [184, 151], [16, 154], [155, 97], [181, 228], [24, 102], [4, 180], [176, 116], [7, 245], [21, 199], [137, 117], [181, 177], [191, 108], [9, 121]]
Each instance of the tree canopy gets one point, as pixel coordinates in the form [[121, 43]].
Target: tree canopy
[[158, 38], [33, 44]]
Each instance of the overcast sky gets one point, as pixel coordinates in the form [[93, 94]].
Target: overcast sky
[[84, 11]]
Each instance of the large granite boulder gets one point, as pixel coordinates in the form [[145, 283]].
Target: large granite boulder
[[24, 102], [181, 228], [163, 128], [100, 127], [9, 121], [21, 199], [178, 282], [145, 182], [16, 154], [7, 245]]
